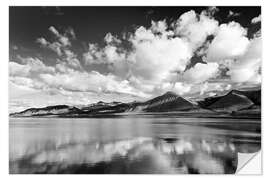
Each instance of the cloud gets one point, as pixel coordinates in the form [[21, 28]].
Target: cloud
[[16, 69], [26, 82], [200, 73], [154, 57], [62, 42], [159, 26], [153, 64], [256, 19], [211, 11], [181, 88], [108, 55], [28, 66], [42, 41], [55, 46], [54, 31], [109, 38], [70, 31], [247, 67], [150, 60], [196, 28], [229, 42], [88, 82], [93, 55], [232, 14], [62, 47], [71, 59]]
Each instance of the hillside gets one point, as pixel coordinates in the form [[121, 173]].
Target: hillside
[[236, 102]]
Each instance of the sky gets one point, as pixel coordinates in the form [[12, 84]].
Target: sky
[[81, 55]]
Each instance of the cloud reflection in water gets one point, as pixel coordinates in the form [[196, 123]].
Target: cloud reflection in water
[[136, 155]]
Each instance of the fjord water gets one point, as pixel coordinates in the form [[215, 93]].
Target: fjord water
[[142, 143]]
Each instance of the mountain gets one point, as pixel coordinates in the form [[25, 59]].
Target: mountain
[[245, 102], [233, 101], [99, 105], [49, 110], [166, 102]]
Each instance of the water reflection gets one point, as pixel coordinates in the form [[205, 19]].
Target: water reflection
[[124, 146]]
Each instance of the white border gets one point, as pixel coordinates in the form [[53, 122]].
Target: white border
[[135, 2], [4, 76]]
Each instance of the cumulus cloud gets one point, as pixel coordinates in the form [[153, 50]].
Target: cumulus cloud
[[256, 19], [108, 55], [159, 26], [93, 55], [196, 28], [153, 63], [152, 56], [229, 42], [155, 56], [247, 67], [200, 72], [71, 59], [109, 38]]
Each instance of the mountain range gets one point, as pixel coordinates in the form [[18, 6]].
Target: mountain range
[[234, 102]]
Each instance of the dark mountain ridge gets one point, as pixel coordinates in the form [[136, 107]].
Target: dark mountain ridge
[[233, 102]]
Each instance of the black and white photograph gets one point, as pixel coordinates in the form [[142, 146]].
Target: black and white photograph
[[133, 89]]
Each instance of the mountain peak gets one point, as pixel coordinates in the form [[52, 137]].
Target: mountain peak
[[171, 93]]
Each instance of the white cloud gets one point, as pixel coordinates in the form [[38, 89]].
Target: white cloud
[[181, 88], [154, 57], [88, 82], [62, 38], [71, 59], [29, 66], [158, 58], [232, 14], [159, 26], [256, 19], [42, 41], [246, 68], [93, 55], [70, 31], [107, 55], [111, 54], [109, 38], [154, 60], [62, 41], [54, 31], [195, 28], [200, 73], [16, 69], [55, 46], [229, 42]]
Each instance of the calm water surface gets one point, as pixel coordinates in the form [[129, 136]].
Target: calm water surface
[[130, 144]]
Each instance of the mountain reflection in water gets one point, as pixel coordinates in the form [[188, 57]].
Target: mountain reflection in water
[[128, 145]]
